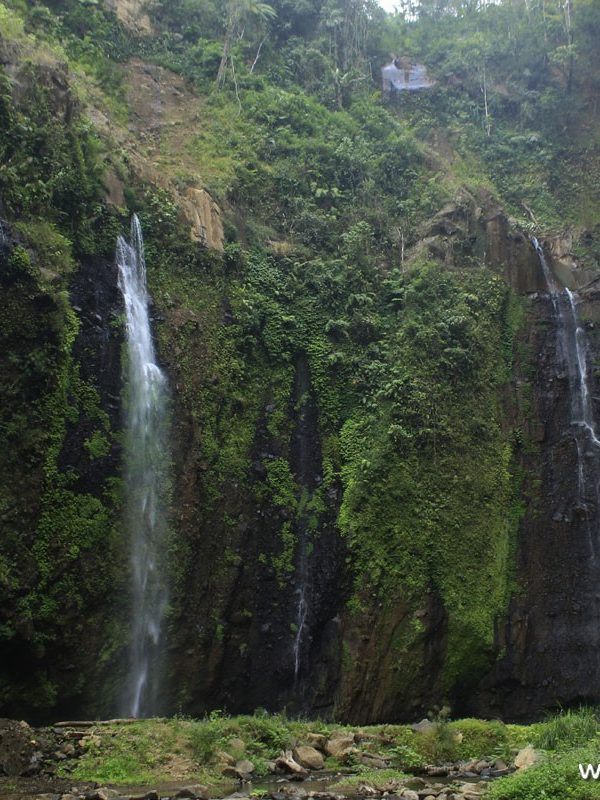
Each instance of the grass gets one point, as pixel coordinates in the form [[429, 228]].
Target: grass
[[11, 24], [134, 754], [556, 778], [379, 779], [568, 729]]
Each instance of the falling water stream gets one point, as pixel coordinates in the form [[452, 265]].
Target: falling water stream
[[146, 479], [573, 351]]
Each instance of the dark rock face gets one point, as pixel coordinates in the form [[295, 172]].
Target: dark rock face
[[78, 389], [475, 227], [246, 659], [96, 300], [384, 686], [551, 639]]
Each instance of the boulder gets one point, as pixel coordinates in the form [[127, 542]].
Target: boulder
[[317, 740], [224, 758], [309, 757], [526, 758], [409, 794], [366, 790], [244, 768], [372, 761], [286, 763], [339, 745], [17, 749]]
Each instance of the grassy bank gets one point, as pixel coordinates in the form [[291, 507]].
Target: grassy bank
[[160, 750]]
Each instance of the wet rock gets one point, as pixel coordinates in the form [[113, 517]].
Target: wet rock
[[366, 790], [437, 771], [309, 757], [286, 763], [196, 792], [409, 794], [103, 793], [372, 761], [244, 768], [229, 771], [415, 783]]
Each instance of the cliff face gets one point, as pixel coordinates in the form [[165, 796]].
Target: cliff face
[[549, 642], [375, 502]]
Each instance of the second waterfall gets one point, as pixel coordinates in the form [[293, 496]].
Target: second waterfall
[[572, 346], [146, 482]]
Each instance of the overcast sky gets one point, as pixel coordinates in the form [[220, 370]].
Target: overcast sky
[[388, 4]]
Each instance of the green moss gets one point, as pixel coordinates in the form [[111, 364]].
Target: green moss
[[97, 445], [53, 250]]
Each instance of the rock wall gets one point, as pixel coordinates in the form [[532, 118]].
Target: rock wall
[[548, 646]]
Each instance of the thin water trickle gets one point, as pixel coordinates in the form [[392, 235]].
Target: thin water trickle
[[572, 347], [146, 400], [301, 619]]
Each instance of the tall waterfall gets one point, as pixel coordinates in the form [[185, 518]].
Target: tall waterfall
[[146, 478], [573, 352]]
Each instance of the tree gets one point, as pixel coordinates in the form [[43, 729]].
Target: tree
[[240, 15]]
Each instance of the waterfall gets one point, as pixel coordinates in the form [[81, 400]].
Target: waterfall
[[146, 479], [306, 467], [573, 352]]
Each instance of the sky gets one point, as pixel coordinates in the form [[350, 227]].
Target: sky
[[388, 4]]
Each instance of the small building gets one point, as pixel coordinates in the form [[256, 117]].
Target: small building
[[404, 75]]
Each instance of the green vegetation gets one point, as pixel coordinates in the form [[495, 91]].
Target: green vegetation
[[569, 738], [146, 752], [555, 779], [142, 752], [379, 779], [568, 729], [465, 739]]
